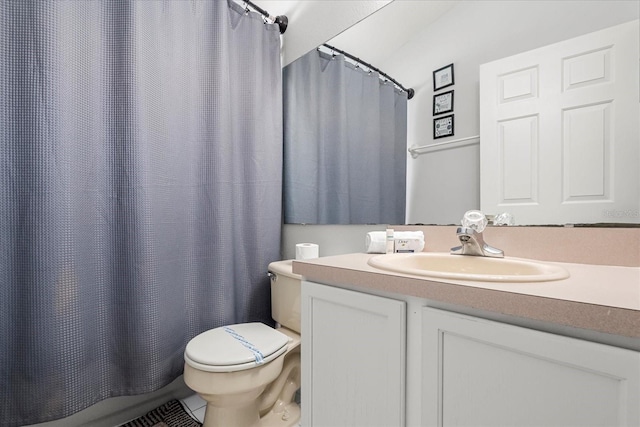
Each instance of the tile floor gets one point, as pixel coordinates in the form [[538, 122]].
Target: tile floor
[[195, 406]]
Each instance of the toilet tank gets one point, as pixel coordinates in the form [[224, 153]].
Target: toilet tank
[[285, 294]]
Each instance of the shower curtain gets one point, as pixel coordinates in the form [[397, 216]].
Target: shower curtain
[[345, 144], [140, 191]]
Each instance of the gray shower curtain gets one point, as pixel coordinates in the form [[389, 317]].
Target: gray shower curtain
[[140, 191], [345, 144]]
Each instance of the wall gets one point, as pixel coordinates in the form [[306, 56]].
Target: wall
[[442, 185], [332, 239]]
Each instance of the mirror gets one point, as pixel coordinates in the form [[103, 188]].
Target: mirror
[[420, 37], [344, 143]]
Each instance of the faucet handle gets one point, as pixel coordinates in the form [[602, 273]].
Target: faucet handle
[[475, 220], [504, 218]]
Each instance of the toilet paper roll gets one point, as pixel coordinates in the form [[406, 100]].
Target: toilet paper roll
[[307, 251]]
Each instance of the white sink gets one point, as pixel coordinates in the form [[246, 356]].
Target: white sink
[[461, 267]]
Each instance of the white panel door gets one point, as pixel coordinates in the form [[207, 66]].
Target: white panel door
[[478, 372], [353, 358], [560, 131]]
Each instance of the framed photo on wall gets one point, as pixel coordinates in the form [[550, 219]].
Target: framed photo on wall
[[443, 103], [443, 126], [443, 77]]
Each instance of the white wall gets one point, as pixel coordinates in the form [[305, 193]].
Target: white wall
[[442, 185], [332, 239]]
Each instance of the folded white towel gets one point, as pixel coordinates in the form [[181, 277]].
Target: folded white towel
[[376, 241]]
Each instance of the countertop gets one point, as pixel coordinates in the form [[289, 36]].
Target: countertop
[[595, 297]]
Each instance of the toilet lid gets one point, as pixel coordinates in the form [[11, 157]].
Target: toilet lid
[[235, 347]]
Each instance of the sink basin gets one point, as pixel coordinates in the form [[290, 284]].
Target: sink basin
[[460, 267]]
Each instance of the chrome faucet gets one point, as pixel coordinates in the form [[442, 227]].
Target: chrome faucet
[[473, 244], [470, 235]]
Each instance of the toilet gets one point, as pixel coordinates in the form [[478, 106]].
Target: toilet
[[249, 373]]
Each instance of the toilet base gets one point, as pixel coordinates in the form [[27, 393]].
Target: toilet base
[[288, 417], [281, 416], [223, 417]]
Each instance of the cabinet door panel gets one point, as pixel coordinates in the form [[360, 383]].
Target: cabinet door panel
[[353, 353], [484, 373]]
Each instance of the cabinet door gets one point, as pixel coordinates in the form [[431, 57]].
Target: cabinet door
[[482, 373], [353, 358]]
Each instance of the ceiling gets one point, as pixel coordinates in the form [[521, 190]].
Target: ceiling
[[376, 38], [368, 29]]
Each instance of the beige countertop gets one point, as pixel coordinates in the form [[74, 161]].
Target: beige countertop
[[595, 297]]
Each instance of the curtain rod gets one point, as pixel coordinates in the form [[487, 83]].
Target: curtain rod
[[410, 91], [281, 20]]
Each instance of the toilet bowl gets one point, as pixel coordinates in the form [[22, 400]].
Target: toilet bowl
[[249, 373]]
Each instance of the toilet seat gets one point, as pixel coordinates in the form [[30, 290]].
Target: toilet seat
[[235, 347]]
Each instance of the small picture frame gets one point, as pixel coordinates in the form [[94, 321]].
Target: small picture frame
[[443, 77], [443, 103], [443, 126]]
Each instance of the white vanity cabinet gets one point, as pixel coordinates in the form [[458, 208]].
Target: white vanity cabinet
[[394, 360], [478, 372], [353, 358]]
